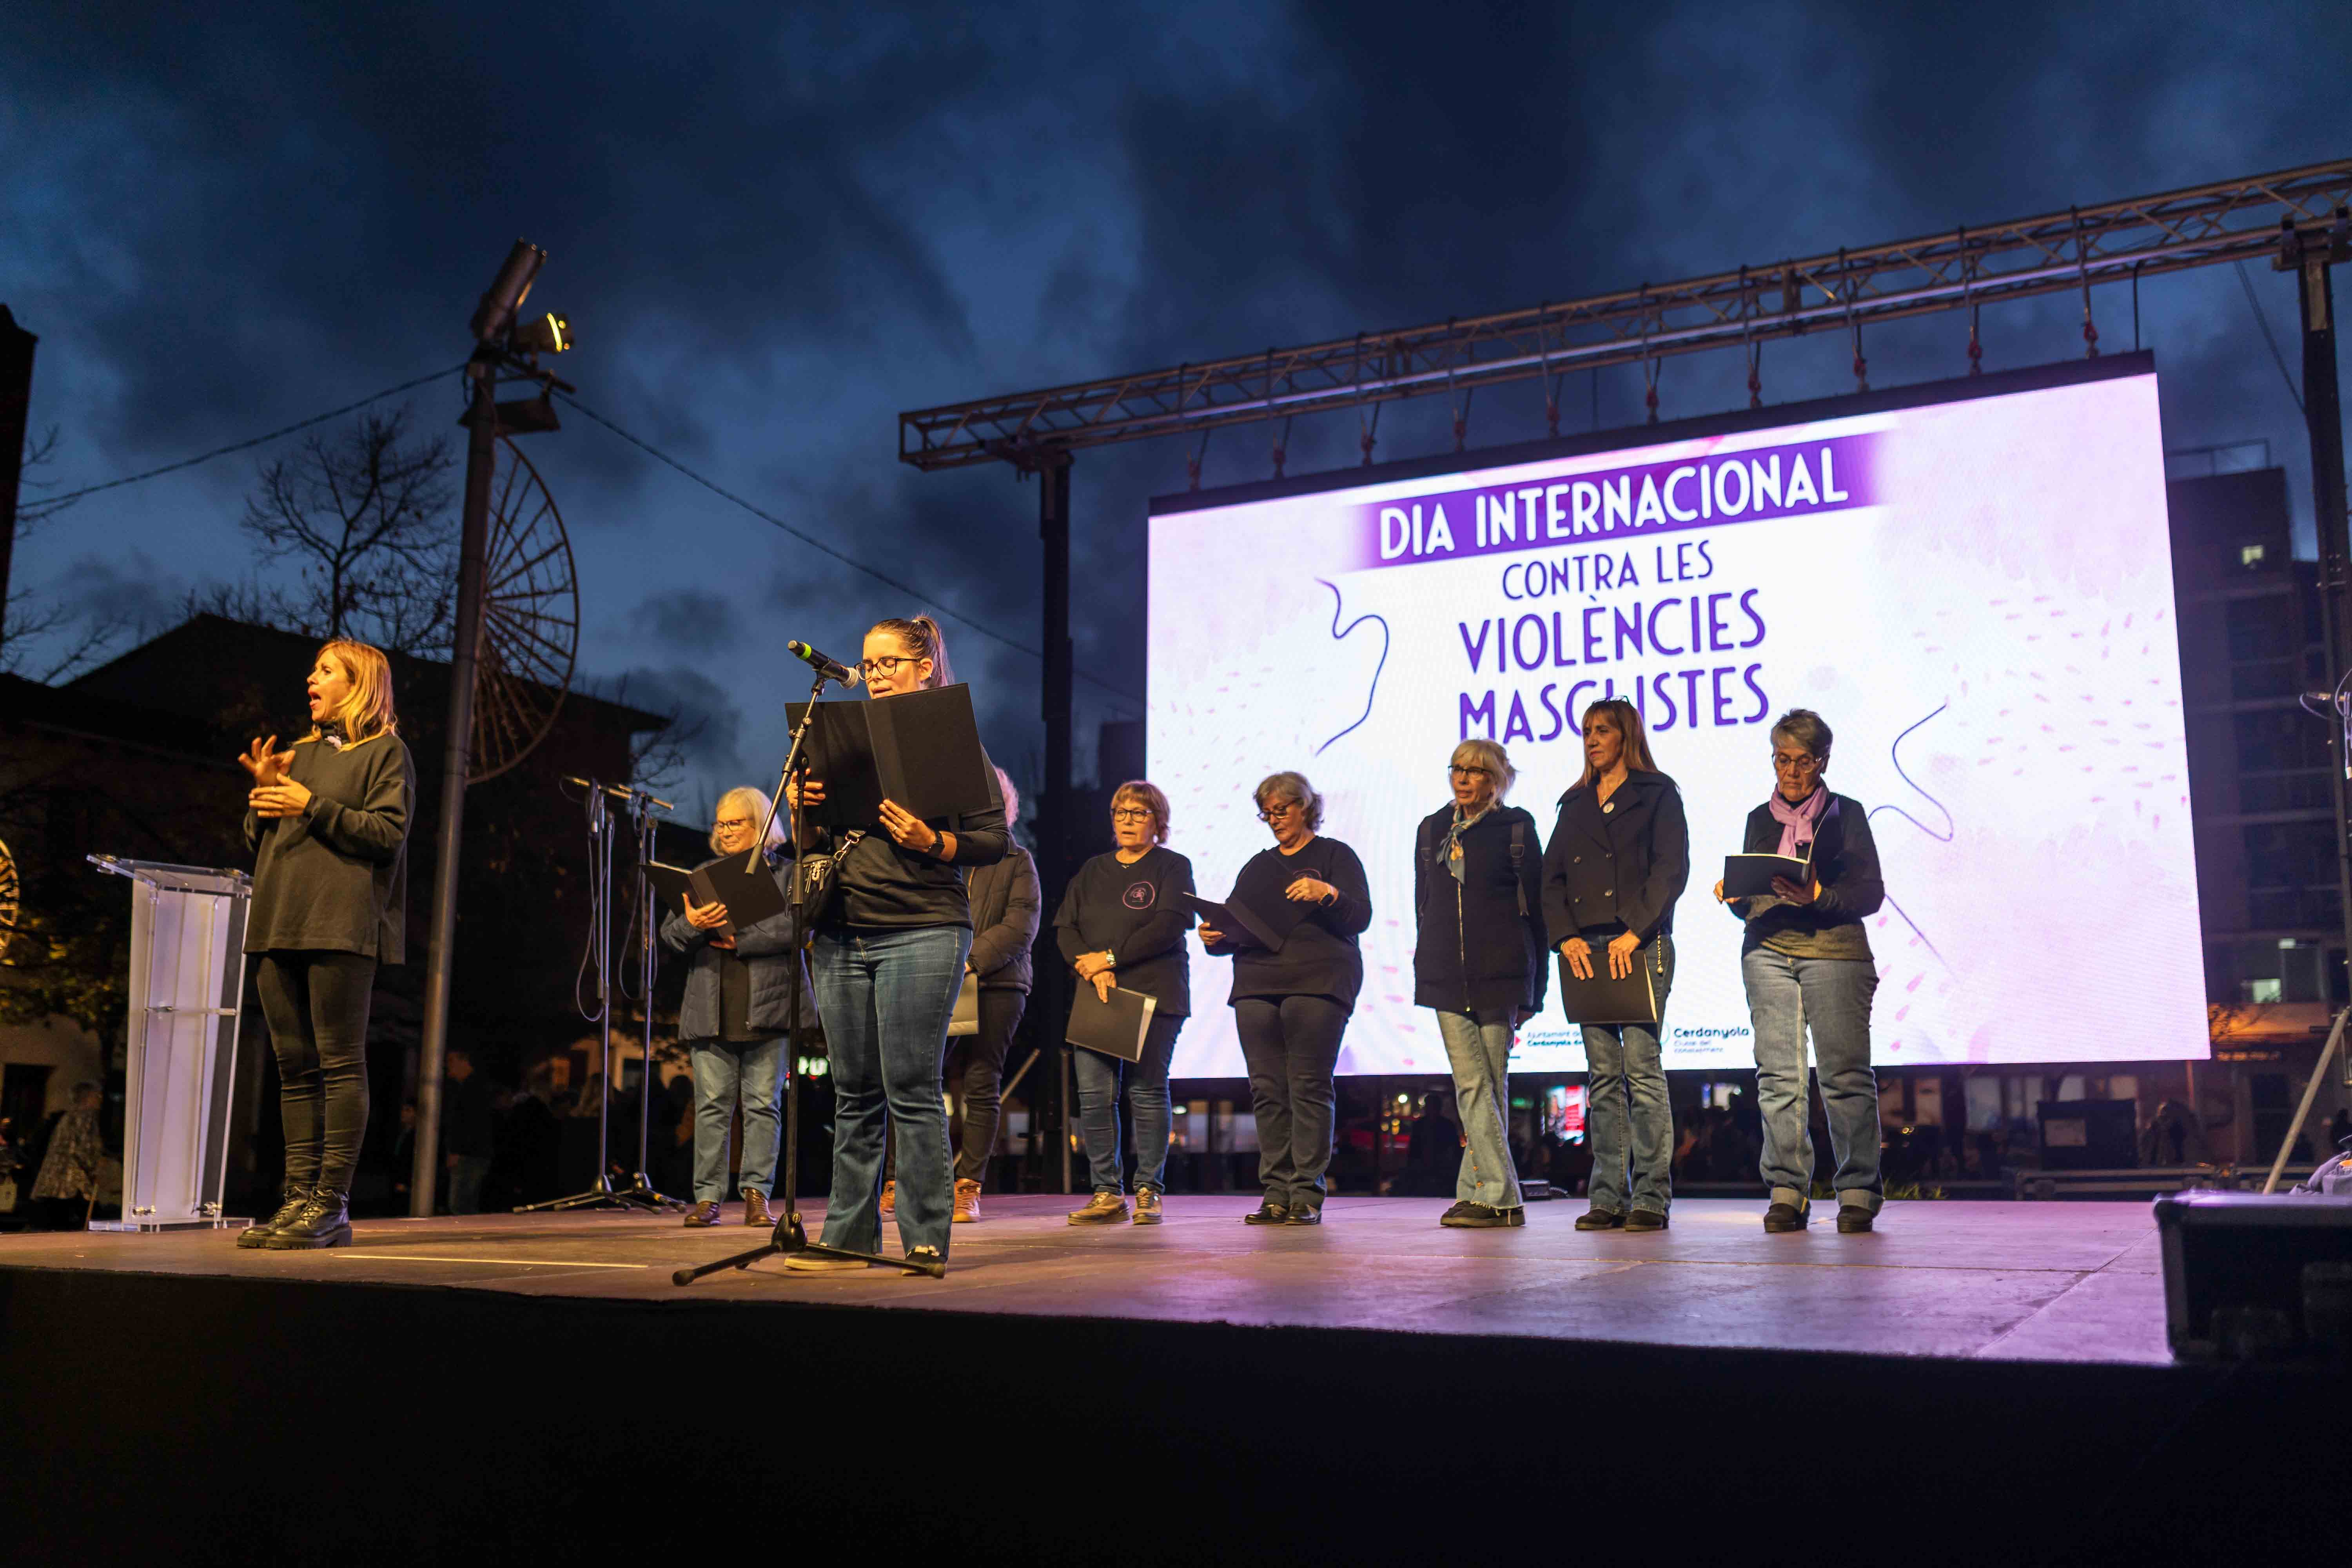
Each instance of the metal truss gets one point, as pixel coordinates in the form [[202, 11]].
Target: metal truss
[[1844, 291]]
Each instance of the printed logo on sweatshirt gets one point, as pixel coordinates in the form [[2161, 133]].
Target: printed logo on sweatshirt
[[1140, 895]]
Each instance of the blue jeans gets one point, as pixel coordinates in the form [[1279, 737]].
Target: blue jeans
[[466, 1173], [1627, 1115], [1478, 1047], [885, 995], [1832, 995], [1146, 1104], [725, 1071]]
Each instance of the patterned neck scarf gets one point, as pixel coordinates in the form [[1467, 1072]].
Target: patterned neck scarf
[[1454, 837]]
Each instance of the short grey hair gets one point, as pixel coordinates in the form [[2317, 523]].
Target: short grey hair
[[1480, 751], [1288, 786], [745, 800], [1807, 729]]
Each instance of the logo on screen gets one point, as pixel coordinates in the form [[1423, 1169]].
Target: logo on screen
[[1140, 895]]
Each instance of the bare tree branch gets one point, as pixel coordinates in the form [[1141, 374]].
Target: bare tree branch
[[366, 513]]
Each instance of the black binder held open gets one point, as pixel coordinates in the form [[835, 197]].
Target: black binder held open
[[921, 749], [749, 892]]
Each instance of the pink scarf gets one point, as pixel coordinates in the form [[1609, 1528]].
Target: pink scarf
[[1798, 822]]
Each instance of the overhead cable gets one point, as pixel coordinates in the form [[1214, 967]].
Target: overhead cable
[[815, 543]]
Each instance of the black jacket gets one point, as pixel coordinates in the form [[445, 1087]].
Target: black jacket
[[766, 948], [1004, 905], [1481, 940], [1623, 864], [1845, 859]]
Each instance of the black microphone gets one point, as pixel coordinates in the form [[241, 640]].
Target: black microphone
[[831, 668]]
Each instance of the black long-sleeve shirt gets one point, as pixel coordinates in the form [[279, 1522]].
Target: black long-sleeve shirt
[[885, 886], [1135, 913], [335, 877], [1320, 957]]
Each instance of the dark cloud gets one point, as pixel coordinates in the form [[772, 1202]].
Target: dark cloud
[[707, 724], [690, 620], [776, 228]]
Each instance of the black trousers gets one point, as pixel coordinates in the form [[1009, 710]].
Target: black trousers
[[982, 1094], [1292, 1047], [317, 1006]]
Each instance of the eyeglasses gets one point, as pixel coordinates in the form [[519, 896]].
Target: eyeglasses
[[1131, 814], [886, 665], [1802, 762], [729, 824], [1457, 771], [1279, 808]]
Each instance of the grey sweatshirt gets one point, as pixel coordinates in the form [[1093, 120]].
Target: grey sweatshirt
[[337, 876]]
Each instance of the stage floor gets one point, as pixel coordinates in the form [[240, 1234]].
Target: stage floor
[[2019, 1281]]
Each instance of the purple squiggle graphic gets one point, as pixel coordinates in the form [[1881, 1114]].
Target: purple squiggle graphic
[[1894, 754], [1339, 634]]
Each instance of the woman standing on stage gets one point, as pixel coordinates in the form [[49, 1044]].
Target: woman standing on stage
[[328, 820], [1004, 908], [1618, 860], [1477, 898], [736, 1019], [888, 959], [1806, 960], [1122, 923], [1291, 1007]]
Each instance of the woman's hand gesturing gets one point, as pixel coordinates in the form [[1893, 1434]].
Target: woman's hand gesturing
[[265, 762], [272, 801]]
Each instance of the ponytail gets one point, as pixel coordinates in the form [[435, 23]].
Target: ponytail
[[922, 637]]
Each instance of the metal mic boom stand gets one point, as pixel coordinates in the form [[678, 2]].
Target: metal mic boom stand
[[789, 1237], [639, 1194]]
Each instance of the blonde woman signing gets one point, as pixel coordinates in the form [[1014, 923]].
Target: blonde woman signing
[[328, 820], [888, 959], [736, 1020]]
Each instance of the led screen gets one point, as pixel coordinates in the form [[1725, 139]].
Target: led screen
[[1976, 593]]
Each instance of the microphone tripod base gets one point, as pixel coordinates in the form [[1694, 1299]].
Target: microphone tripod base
[[789, 1239], [638, 1194]]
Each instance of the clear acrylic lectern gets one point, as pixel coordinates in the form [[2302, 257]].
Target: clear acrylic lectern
[[187, 980]]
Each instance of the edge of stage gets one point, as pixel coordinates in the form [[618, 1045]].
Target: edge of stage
[[1969, 1378]]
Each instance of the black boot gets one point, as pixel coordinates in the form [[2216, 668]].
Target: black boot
[[297, 1195], [323, 1222]]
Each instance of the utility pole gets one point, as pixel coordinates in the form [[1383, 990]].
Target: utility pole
[[16, 403], [473, 545], [1053, 834]]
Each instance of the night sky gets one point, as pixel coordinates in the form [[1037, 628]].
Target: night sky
[[773, 229]]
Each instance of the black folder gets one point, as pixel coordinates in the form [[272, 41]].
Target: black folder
[[921, 749], [1601, 1000], [750, 895], [1267, 927], [1116, 1027], [1750, 876]]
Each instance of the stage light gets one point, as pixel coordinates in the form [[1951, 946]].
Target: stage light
[[508, 290], [547, 335]]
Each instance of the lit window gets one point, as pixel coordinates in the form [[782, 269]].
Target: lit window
[[2250, 555], [2263, 990]]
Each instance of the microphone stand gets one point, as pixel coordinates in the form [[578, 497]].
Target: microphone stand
[[789, 1237], [640, 1193]]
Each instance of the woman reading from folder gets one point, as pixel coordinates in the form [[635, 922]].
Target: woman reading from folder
[[888, 956], [1122, 924], [328, 820], [736, 1020], [1617, 859], [1479, 960], [1806, 961], [1291, 1007]]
